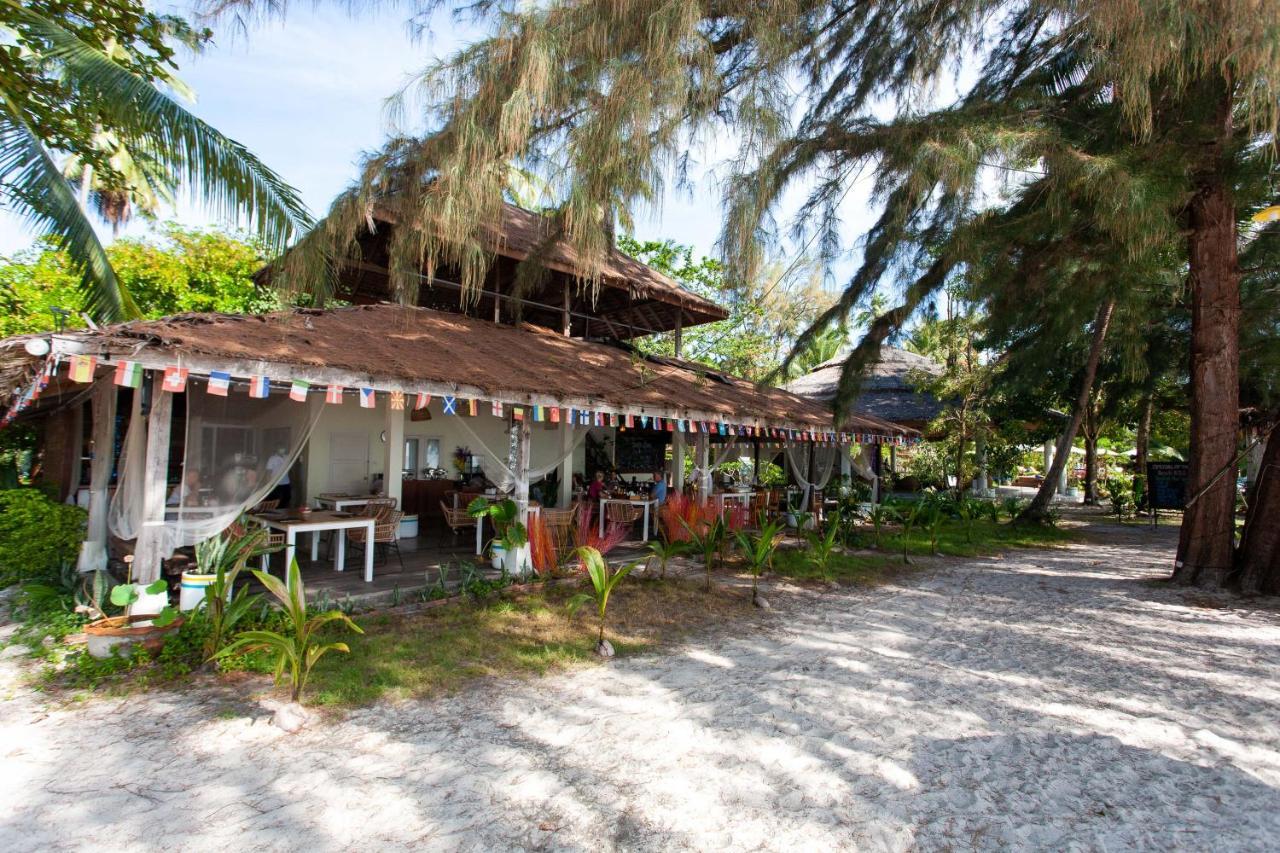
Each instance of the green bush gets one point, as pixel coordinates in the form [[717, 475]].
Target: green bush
[[37, 535]]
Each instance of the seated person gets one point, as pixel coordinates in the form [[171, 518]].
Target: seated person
[[597, 488], [186, 493], [659, 490]]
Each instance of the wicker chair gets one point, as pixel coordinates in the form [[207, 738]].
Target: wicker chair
[[266, 506], [456, 519], [386, 535], [622, 514], [559, 524]]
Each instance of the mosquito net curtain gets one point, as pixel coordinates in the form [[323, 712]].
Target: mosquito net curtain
[[236, 451]]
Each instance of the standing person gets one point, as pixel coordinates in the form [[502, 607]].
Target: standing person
[[660, 486], [283, 491]]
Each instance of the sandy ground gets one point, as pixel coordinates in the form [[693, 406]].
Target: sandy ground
[[1044, 700]]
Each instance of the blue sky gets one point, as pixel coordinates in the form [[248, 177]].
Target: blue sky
[[307, 96]]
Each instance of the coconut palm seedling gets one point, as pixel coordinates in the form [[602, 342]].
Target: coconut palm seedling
[[933, 519], [707, 539], [664, 550], [1012, 506], [969, 510], [225, 556], [603, 581], [821, 547], [297, 649], [910, 517], [758, 550], [880, 515]]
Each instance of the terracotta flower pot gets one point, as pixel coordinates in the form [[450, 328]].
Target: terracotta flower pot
[[105, 636]]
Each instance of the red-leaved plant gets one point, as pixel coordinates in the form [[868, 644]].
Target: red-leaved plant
[[586, 533], [682, 518], [542, 545]]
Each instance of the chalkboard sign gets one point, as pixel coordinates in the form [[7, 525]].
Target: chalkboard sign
[[638, 453], [1167, 485]]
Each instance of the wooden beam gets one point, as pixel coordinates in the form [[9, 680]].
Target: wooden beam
[[566, 466], [393, 454]]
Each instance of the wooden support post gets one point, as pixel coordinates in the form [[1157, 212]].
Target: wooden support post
[[566, 316], [677, 461], [523, 440], [679, 336], [393, 455], [149, 551], [566, 464], [93, 553], [704, 467], [755, 457]]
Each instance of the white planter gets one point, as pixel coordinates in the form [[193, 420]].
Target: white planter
[[193, 589], [148, 604], [519, 563], [496, 553]]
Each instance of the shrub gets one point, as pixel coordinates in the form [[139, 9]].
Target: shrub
[[37, 535]]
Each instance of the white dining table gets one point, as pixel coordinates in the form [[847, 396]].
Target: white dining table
[[721, 498], [315, 523], [343, 502], [647, 503]]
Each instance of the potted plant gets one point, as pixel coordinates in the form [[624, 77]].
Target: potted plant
[[147, 619], [228, 552], [503, 514]]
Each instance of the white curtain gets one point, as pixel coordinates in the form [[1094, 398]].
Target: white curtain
[[506, 478], [237, 450], [93, 553], [824, 460], [862, 466], [124, 519]]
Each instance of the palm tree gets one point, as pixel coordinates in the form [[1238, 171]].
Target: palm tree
[[168, 146]]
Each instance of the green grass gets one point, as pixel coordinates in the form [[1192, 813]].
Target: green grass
[[526, 635], [863, 567]]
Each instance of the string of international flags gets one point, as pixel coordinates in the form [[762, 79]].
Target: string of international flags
[[129, 374]]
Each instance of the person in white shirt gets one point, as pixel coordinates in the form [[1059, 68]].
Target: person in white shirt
[[283, 492]]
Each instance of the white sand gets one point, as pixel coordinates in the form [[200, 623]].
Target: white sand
[[1049, 700]]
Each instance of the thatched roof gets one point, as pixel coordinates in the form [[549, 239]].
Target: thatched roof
[[393, 347], [888, 391], [633, 300]]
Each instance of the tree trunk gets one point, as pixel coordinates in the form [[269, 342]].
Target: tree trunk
[[1207, 537], [1260, 546], [1037, 510], [1143, 448], [1091, 455]]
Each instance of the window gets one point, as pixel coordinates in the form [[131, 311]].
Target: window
[[421, 455], [411, 456]]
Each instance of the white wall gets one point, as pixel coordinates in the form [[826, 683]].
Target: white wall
[[350, 418]]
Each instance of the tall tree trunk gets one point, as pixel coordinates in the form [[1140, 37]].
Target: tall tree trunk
[[1260, 547], [1091, 454], [1038, 508], [1207, 539], [1143, 447]]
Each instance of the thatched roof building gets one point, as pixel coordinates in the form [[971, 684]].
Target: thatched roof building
[[889, 391]]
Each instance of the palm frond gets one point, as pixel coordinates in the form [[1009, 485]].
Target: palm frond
[[35, 189]]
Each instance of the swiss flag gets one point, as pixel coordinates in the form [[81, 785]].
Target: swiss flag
[[175, 379]]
